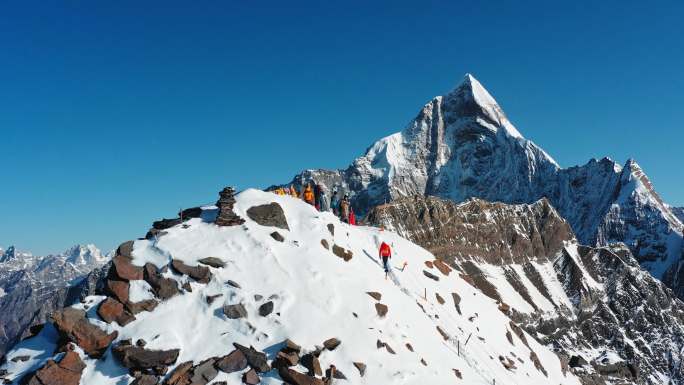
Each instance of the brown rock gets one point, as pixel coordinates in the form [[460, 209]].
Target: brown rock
[[439, 299], [73, 326], [443, 333], [442, 267], [287, 359], [145, 305], [146, 379], [270, 214], [331, 229], [457, 373], [409, 347], [504, 307], [361, 368], [429, 264], [291, 346], [67, 372], [125, 249], [186, 286], [295, 378], [277, 236], [537, 364], [213, 262], [204, 372], [212, 298], [250, 378], [430, 275], [381, 309], [164, 288], [457, 302], [377, 296], [422, 361], [255, 358], [201, 274], [139, 358], [311, 363], [332, 343], [118, 290], [123, 269], [111, 310], [233, 362], [235, 311], [342, 253], [325, 244], [180, 374]]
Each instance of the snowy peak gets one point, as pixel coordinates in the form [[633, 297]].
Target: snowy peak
[[84, 255]]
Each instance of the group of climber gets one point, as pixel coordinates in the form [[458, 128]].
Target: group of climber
[[316, 195]]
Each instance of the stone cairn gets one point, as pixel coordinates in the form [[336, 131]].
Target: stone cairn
[[226, 216]]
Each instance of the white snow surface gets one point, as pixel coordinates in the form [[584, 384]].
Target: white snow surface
[[316, 295]]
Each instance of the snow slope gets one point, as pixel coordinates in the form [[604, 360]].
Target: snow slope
[[317, 295]]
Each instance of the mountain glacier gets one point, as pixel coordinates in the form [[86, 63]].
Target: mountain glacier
[[462, 145]]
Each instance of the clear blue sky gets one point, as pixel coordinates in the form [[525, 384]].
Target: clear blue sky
[[114, 114]]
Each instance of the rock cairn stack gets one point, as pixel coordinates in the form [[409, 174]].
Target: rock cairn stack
[[226, 216]]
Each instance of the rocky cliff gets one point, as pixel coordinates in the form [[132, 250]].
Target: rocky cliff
[[610, 319]]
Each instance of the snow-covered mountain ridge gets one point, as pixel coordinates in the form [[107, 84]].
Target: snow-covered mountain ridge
[[34, 286], [588, 304], [462, 145], [298, 285]]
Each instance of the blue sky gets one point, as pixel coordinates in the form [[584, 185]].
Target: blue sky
[[114, 114]]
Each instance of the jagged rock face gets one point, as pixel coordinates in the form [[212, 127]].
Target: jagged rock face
[[32, 287], [497, 233], [596, 304], [461, 146]]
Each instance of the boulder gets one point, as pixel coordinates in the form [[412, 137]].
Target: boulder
[[226, 216], [111, 310], [201, 274], [118, 289], [146, 379], [123, 269], [276, 235], [145, 305], [233, 362], [179, 375], [457, 302], [439, 299], [361, 367], [164, 288], [235, 311], [213, 262], [335, 373], [266, 308], [430, 275], [332, 343], [125, 249], [331, 229], [192, 212], [73, 326], [285, 359], [381, 309], [135, 357], [204, 372], [293, 377], [429, 264], [325, 244], [577, 361], [442, 267], [256, 359], [67, 372], [342, 253], [290, 346], [270, 214], [166, 223], [376, 296], [250, 377]]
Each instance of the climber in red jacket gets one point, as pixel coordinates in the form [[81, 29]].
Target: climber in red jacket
[[385, 254]]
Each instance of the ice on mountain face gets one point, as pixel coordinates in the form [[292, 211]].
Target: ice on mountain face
[[462, 146], [317, 295]]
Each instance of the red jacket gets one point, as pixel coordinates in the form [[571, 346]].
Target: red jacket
[[385, 250]]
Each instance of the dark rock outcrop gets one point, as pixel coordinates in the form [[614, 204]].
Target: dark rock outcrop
[[256, 359], [235, 311], [233, 362], [135, 357], [270, 214]]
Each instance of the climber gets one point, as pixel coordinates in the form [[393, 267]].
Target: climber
[[352, 217], [344, 208], [280, 191], [317, 196], [309, 196], [385, 253], [334, 202], [293, 191], [322, 199]]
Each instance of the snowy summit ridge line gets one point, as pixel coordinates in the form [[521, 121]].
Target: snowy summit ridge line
[[462, 145]]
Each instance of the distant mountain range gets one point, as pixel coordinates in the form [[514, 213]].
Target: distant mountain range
[[31, 287]]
